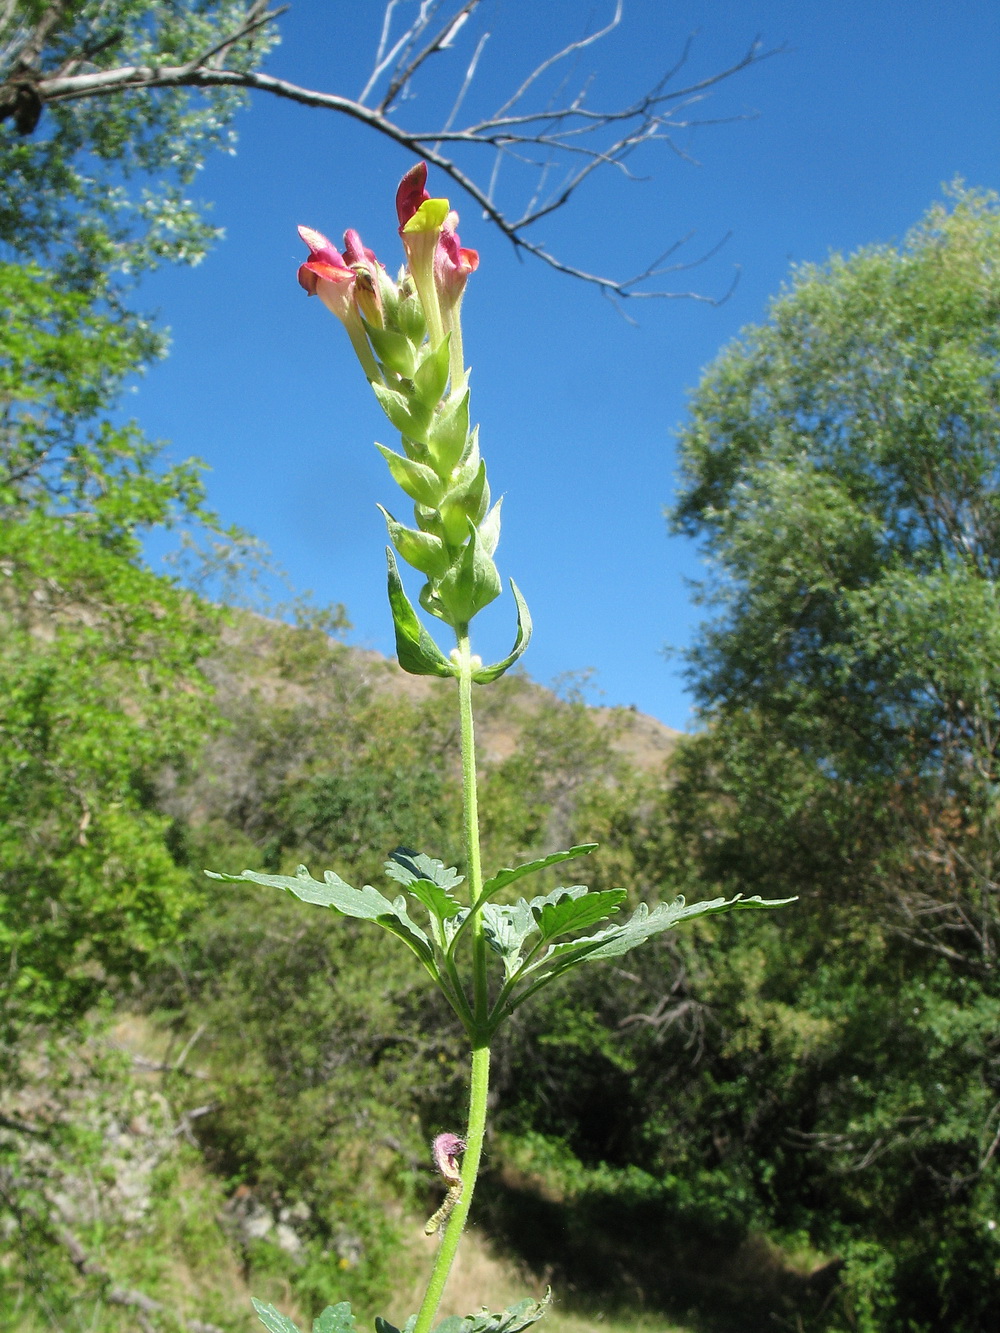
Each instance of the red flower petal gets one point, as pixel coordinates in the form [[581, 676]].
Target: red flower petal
[[411, 193]]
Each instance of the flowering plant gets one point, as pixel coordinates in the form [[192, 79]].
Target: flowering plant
[[486, 956]]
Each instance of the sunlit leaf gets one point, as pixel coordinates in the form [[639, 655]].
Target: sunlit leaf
[[335, 1319], [273, 1320], [641, 926], [416, 650], [566, 910], [404, 866], [365, 903], [504, 877], [505, 930]]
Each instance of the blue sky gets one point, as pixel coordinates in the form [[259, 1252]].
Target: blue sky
[[842, 140]]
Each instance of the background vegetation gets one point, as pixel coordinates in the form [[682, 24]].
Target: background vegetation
[[794, 1121]]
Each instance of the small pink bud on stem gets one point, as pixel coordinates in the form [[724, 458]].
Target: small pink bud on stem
[[446, 1148]]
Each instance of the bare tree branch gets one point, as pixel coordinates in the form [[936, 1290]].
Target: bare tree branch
[[565, 139]]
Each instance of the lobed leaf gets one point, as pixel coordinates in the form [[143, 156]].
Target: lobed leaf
[[335, 1319], [566, 910], [512, 1320], [273, 1320], [504, 877], [641, 926], [505, 930], [438, 901], [404, 866], [365, 903]]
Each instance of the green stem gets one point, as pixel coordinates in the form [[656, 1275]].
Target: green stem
[[478, 1093], [470, 805], [456, 355], [480, 1076]]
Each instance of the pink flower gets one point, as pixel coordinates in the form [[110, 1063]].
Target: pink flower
[[324, 274], [347, 284], [452, 264], [446, 1148], [340, 279], [411, 193], [437, 261]]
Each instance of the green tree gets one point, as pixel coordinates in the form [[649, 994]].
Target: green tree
[[842, 466], [99, 663]]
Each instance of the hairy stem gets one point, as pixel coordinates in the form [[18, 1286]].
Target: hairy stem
[[480, 1075], [470, 806], [478, 1093]]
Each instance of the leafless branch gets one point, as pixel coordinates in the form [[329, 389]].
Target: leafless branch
[[563, 140], [403, 75]]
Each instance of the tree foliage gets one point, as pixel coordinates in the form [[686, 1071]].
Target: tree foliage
[[98, 186], [99, 657], [842, 468]]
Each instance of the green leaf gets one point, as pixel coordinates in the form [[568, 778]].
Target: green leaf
[[505, 929], [645, 923], [421, 483], [641, 926], [410, 317], [273, 1320], [407, 414], [487, 673], [335, 1319], [471, 583], [393, 349], [557, 913], [405, 866], [416, 650], [566, 910], [437, 900], [468, 494], [448, 433], [366, 903], [512, 1320], [422, 550], [504, 877], [489, 529], [431, 376]]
